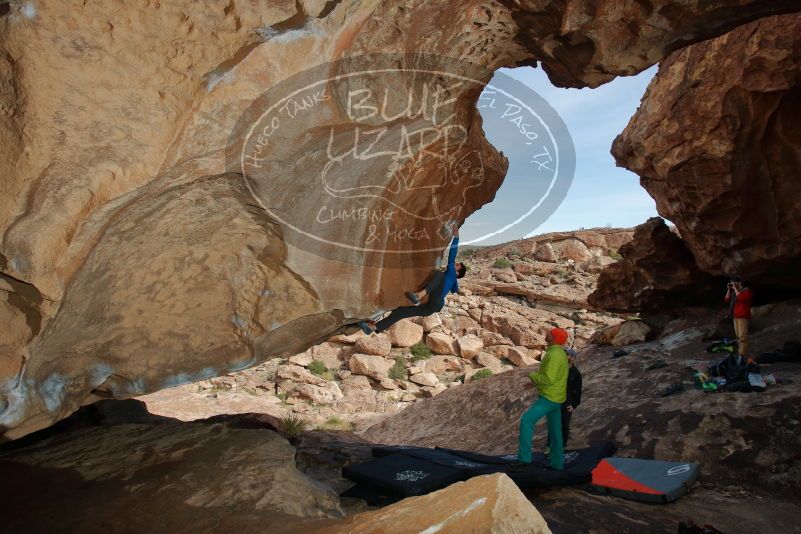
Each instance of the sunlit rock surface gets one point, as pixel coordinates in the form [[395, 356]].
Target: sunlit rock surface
[[136, 254]]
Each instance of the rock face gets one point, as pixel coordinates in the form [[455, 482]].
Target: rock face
[[585, 43], [491, 503], [657, 273], [139, 249], [716, 142], [191, 476], [146, 260]]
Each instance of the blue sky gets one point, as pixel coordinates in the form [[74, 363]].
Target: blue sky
[[601, 194]]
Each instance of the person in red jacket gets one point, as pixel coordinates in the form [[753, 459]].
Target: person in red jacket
[[740, 296]]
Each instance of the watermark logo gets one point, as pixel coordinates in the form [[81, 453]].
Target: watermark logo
[[374, 158]]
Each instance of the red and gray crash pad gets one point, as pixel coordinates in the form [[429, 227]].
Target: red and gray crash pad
[[652, 481], [408, 471]]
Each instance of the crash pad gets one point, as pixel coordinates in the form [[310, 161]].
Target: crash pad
[[653, 481], [408, 471]]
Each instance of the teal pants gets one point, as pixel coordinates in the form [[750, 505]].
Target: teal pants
[[553, 411]]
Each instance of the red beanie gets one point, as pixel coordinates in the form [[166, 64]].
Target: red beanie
[[559, 336]]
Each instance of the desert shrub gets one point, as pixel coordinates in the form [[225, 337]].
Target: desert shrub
[[615, 255], [482, 373], [292, 426], [420, 351], [282, 396], [316, 367], [501, 263], [335, 423], [398, 371], [514, 252]]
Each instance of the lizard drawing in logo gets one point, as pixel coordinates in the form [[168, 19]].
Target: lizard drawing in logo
[[427, 181]]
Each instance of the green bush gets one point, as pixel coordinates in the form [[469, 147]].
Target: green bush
[[398, 371], [292, 426], [615, 255], [420, 351], [482, 373], [501, 263], [513, 252], [316, 367]]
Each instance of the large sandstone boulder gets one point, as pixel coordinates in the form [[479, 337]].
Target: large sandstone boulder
[[424, 379], [316, 394], [518, 356], [140, 252], [490, 503], [332, 355], [489, 361], [716, 143], [376, 367], [378, 344], [517, 328], [441, 343], [631, 332], [571, 249], [439, 364], [303, 359], [469, 346], [405, 333], [296, 373], [430, 322]]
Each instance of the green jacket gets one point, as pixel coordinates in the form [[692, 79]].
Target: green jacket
[[551, 378]]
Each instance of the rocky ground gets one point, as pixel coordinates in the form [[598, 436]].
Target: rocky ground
[[238, 471], [116, 468], [746, 443], [512, 293]]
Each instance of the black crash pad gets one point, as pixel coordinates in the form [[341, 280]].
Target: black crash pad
[[408, 471], [402, 475]]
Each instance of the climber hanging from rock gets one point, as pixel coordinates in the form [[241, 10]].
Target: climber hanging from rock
[[442, 283]]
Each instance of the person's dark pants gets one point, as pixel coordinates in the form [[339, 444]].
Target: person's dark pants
[[435, 303], [565, 424]]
